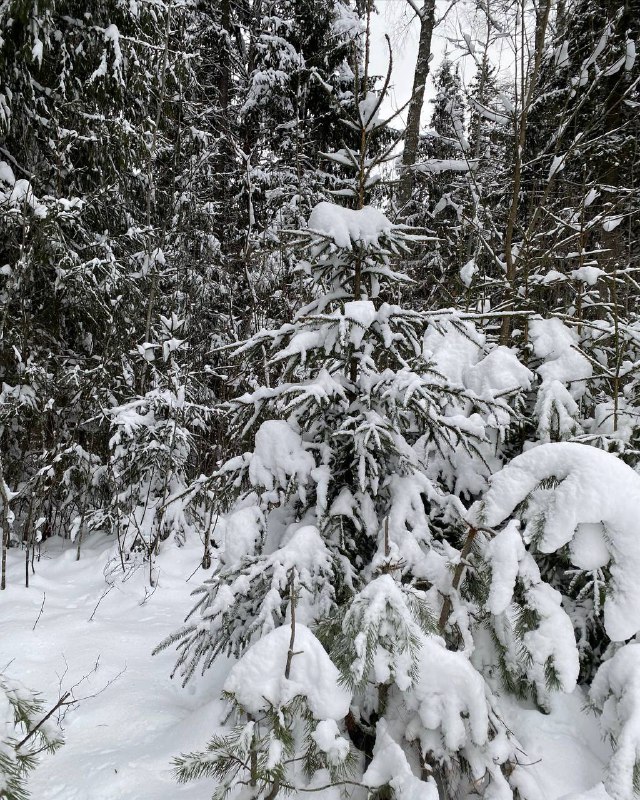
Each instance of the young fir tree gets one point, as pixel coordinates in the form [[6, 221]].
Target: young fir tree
[[441, 187], [341, 540]]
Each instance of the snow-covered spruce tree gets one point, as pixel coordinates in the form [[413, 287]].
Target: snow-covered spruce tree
[[25, 732], [570, 499], [151, 452], [340, 540], [442, 189], [567, 402]]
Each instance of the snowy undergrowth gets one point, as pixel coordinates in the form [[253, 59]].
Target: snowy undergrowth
[[120, 743]]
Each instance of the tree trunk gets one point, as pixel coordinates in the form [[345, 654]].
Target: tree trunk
[[412, 134], [529, 77], [4, 494]]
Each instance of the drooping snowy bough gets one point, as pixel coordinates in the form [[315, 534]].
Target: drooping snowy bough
[[573, 495], [575, 500]]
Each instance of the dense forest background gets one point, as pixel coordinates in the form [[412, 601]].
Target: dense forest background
[[171, 264], [155, 157]]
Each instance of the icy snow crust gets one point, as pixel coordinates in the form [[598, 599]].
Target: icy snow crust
[[596, 490]]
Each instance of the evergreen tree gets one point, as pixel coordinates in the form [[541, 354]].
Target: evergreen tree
[[83, 245], [441, 183], [344, 518], [568, 502], [490, 148]]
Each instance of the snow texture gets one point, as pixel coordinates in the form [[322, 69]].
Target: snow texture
[[380, 612], [467, 272], [258, 681], [563, 371], [504, 552], [499, 371], [588, 275], [551, 642], [348, 227], [594, 488]]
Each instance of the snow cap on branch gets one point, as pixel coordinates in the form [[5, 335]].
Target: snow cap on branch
[[258, 680]]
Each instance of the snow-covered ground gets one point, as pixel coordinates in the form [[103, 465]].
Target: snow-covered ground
[[120, 742]]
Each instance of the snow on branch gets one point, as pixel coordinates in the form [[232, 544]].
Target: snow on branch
[[435, 166], [346, 226], [573, 494]]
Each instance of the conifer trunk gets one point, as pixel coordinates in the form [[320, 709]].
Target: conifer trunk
[[4, 494], [528, 85], [412, 134]]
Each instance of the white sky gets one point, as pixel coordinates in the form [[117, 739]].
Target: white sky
[[394, 18]]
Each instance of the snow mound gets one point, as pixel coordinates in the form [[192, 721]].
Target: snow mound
[[556, 344], [279, 455], [389, 766], [499, 371], [327, 738], [450, 699], [257, 681]]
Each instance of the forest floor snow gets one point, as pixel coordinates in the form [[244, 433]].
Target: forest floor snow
[[121, 739]]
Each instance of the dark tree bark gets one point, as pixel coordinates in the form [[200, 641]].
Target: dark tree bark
[[412, 134]]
